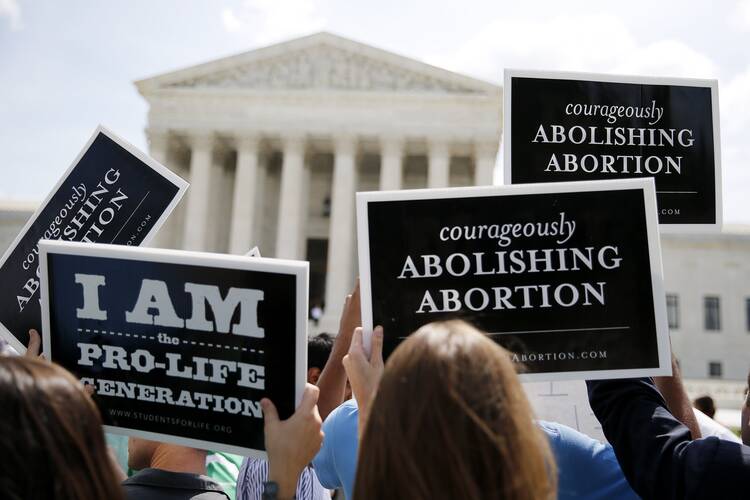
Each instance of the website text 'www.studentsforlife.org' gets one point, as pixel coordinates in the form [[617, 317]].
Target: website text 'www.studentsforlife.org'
[[164, 419]]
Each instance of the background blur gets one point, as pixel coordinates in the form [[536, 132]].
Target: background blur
[[67, 66]]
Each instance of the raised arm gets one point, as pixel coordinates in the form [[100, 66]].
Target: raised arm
[[332, 380], [673, 391]]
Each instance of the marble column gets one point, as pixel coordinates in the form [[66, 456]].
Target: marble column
[[341, 240], [289, 231], [158, 147], [391, 163], [196, 216], [438, 164], [485, 155], [243, 202]]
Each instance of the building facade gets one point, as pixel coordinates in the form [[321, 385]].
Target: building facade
[[707, 281], [275, 143]]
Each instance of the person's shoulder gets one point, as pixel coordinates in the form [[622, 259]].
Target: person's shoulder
[[720, 466], [565, 440], [339, 450], [145, 484], [347, 407], [159, 484], [551, 429], [346, 412], [211, 495], [140, 492], [563, 435], [254, 462], [145, 477], [341, 423], [716, 451]]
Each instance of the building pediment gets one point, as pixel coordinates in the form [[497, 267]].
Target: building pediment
[[320, 62], [324, 67]]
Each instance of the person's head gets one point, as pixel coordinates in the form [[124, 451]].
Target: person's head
[[318, 351], [143, 453], [51, 439], [706, 405], [450, 420]]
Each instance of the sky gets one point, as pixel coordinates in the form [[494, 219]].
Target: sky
[[67, 66]]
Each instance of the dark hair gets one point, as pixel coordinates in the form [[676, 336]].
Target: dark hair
[[706, 405], [51, 440], [450, 420], [318, 350]]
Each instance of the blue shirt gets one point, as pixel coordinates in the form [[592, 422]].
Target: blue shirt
[[336, 462], [587, 469]]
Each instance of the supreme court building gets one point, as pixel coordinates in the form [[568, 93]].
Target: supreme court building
[[275, 143]]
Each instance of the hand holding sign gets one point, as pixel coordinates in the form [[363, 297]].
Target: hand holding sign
[[32, 352], [351, 316], [125, 321], [292, 443], [364, 374]]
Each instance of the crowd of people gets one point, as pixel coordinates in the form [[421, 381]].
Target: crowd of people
[[444, 417]]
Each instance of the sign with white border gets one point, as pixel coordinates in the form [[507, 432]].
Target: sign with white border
[[566, 276], [111, 193], [179, 346], [581, 126]]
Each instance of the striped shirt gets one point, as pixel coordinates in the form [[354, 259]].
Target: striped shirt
[[254, 473]]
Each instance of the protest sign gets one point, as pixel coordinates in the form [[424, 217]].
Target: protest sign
[[180, 346], [112, 193], [567, 276], [575, 127]]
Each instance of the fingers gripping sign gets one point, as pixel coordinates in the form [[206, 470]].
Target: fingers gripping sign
[[364, 371], [291, 444], [32, 351], [351, 316], [35, 344]]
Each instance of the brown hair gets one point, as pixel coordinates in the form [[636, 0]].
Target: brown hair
[[51, 440], [450, 420]]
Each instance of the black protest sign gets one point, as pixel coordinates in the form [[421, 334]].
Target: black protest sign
[[180, 346], [112, 193], [566, 276], [576, 127]]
